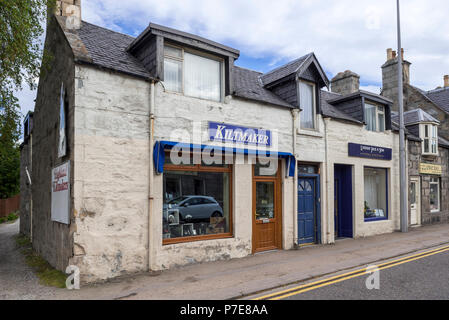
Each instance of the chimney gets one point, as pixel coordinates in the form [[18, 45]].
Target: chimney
[[390, 77], [345, 83], [389, 54], [446, 81], [70, 9]]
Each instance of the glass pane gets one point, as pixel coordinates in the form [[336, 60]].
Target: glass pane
[[173, 52], [434, 196], [434, 132], [195, 203], [413, 193], [426, 145], [307, 169], [266, 170], [426, 131], [173, 75], [264, 200], [202, 77], [370, 117], [306, 104], [375, 193], [381, 117]]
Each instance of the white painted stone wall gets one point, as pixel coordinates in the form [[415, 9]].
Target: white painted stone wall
[[175, 117], [310, 148], [339, 135], [111, 172]]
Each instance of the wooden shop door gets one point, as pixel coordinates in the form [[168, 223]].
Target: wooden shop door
[[267, 209]]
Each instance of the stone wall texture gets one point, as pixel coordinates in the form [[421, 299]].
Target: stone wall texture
[[415, 158], [52, 240]]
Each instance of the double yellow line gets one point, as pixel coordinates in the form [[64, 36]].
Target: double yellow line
[[353, 274]]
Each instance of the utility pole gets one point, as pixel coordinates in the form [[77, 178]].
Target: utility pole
[[402, 155]]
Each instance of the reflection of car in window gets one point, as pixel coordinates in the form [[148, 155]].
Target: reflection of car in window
[[195, 208]]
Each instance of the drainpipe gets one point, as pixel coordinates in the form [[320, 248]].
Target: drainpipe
[[295, 115], [151, 169], [326, 156]]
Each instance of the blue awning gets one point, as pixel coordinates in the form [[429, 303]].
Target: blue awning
[[161, 146]]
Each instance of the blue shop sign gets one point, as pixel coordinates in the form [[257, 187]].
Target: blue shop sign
[[370, 152], [230, 133]]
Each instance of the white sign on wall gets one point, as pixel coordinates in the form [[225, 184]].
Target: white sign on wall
[[60, 193]]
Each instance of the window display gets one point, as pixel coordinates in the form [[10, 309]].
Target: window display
[[375, 194], [196, 202]]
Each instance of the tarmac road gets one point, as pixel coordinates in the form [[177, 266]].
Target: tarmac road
[[425, 277]]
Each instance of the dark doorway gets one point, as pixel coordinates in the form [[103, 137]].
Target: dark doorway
[[343, 201]]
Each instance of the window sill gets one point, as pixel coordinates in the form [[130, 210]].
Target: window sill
[[375, 219], [433, 155], [311, 133], [197, 238]]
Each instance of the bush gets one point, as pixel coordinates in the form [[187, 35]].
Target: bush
[[10, 218]]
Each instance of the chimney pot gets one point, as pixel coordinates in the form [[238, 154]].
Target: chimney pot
[[389, 54], [394, 54], [446, 81]]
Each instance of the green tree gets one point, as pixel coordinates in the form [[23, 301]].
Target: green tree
[[9, 152], [22, 24]]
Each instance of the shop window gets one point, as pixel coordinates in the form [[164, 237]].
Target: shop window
[[374, 117], [434, 194], [307, 105], [429, 136], [376, 194], [193, 74], [197, 203]]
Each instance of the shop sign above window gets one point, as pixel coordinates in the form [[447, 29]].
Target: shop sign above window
[[427, 168], [230, 133], [370, 152]]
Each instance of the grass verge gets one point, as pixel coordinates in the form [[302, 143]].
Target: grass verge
[[48, 276], [10, 218]]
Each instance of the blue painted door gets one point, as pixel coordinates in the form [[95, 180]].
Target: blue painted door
[[306, 210]]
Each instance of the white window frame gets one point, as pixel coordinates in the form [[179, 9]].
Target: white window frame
[[431, 138], [200, 54], [314, 113], [438, 182], [378, 112]]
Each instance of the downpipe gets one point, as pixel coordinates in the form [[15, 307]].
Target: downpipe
[[151, 169]]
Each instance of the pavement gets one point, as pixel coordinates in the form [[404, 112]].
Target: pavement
[[238, 278]]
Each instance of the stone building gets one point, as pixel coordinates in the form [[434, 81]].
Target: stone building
[[157, 151], [427, 124], [428, 169]]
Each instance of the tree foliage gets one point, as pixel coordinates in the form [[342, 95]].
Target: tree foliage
[[22, 24]]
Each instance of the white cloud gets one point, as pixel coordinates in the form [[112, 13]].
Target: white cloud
[[344, 34]]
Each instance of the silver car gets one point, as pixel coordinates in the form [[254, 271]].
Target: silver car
[[195, 208]]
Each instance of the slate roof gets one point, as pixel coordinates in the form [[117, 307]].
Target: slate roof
[[248, 85], [107, 49], [440, 97], [414, 116], [330, 111], [284, 71]]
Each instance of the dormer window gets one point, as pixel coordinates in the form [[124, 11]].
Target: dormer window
[[374, 117], [429, 136], [307, 103], [192, 73]]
